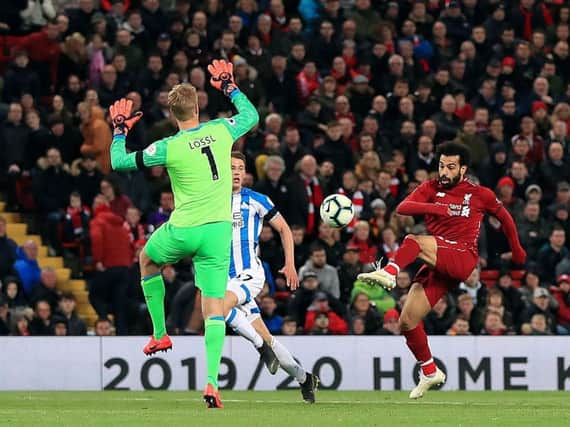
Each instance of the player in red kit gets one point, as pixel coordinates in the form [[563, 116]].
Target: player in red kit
[[454, 208]]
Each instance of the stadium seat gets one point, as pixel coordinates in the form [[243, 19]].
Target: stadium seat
[[53, 262], [490, 274], [20, 239], [63, 274], [517, 274], [90, 320], [16, 229], [72, 286], [82, 297], [87, 311], [10, 217], [2, 206], [489, 277]]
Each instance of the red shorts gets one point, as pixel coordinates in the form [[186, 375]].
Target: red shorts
[[454, 264]]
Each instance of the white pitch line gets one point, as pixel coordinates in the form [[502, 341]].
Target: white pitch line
[[324, 402], [135, 398], [353, 402]]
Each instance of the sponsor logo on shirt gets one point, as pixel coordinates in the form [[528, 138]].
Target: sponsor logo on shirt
[[237, 220]]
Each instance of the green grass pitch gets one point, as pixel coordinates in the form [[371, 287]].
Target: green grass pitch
[[283, 408]]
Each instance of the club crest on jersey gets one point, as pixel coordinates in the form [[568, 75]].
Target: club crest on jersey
[[465, 209], [151, 149], [439, 194]]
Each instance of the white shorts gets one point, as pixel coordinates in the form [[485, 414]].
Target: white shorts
[[246, 286], [251, 310]]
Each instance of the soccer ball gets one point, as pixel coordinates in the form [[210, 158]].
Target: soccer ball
[[337, 210]]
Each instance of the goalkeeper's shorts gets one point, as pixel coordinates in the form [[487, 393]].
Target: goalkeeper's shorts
[[209, 246]]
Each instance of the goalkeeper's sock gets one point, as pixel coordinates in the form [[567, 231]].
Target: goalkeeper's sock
[[238, 322], [153, 290], [288, 363], [214, 337], [404, 256]]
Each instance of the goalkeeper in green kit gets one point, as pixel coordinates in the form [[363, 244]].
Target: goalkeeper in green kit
[[198, 160]]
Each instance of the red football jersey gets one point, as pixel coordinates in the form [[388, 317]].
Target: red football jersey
[[468, 204]]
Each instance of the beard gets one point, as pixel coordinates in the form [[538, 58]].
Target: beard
[[449, 183]]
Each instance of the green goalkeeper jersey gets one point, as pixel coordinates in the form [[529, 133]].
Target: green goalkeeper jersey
[[198, 161]]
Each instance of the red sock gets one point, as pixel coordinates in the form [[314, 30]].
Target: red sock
[[407, 254], [416, 339]]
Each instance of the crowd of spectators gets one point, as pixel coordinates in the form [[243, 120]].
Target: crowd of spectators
[[355, 95]]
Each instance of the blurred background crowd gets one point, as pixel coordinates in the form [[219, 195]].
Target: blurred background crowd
[[354, 95]]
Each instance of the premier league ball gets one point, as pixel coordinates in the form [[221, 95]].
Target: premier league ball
[[337, 210]]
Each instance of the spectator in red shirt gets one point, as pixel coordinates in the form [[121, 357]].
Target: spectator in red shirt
[[562, 295], [44, 50], [334, 325], [118, 202], [112, 256], [363, 241], [137, 231], [535, 154], [307, 82]]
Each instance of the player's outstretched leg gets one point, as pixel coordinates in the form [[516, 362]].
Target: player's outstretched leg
[[309, 382], [238, 322], [412, 247], [415, 308], [153, 290]]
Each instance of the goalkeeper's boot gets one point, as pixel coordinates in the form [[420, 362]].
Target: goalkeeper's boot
[[269, 358], [379, 277], [154, 345], [426, 382], [309, 387], [212, 397]]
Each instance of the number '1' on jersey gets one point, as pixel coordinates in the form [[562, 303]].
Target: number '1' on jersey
[[198, 161]]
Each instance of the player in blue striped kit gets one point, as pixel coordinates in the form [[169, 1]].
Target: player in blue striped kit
[[249, 210]]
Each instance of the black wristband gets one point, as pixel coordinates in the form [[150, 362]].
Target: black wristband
[[139, 160]]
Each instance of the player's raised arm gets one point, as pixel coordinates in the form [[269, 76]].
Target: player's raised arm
[[223, 80], [419, 203], [495, 208], [123, 120]]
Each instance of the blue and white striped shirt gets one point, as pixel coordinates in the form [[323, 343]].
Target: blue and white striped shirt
[[249, 208]]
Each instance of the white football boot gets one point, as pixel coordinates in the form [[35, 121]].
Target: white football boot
[[426, 383], [379, 278]]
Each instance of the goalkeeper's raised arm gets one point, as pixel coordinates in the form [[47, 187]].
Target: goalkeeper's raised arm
[[183, 105]]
